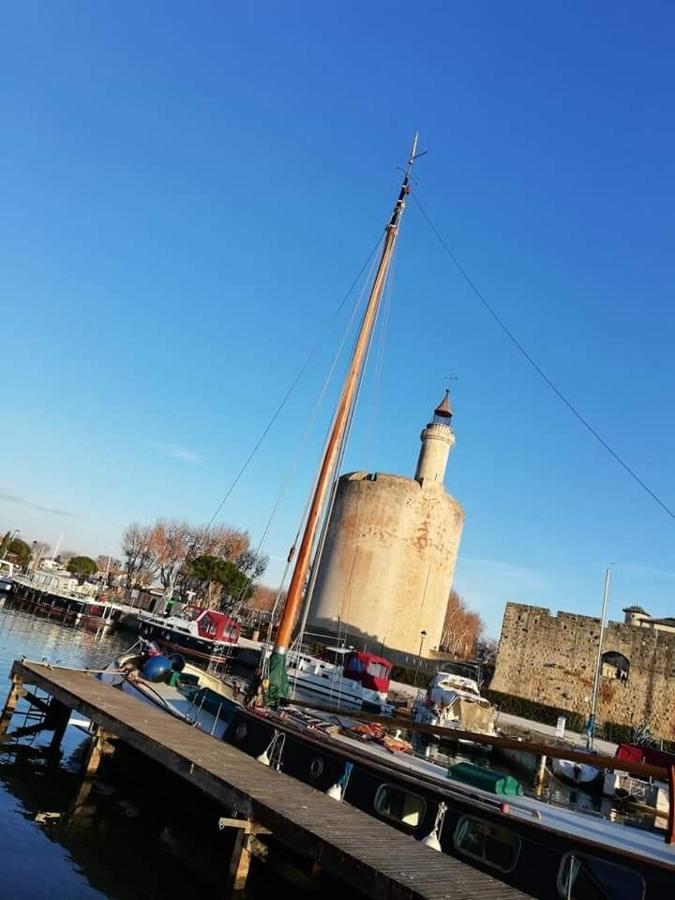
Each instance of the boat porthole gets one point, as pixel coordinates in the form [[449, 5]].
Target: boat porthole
[[316, 767], [240, 731]]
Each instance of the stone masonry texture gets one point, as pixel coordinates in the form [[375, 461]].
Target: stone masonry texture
[[551, 659]]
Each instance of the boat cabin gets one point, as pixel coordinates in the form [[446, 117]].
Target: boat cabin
[[213, 625], [373, 672]]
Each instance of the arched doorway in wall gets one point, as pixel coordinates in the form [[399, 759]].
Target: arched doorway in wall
[[615, 666]]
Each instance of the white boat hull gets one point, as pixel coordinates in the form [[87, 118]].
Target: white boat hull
[[575, 772]]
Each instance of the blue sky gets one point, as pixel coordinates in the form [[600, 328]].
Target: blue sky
[[189, 189]]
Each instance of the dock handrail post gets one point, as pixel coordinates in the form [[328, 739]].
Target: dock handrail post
[[670, 833], [10, 704]]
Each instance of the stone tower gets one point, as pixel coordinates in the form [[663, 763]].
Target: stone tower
[[390, 551]]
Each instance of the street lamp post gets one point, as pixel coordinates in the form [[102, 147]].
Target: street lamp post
[[423, 634]]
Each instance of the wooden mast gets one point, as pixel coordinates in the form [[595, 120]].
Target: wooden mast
[[277, 672]]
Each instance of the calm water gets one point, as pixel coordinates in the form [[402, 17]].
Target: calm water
[[141, 833]]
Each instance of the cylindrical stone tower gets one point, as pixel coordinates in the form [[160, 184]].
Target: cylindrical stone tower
[[390, 551]]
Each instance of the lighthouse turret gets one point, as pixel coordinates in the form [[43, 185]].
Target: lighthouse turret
[[437, 439]]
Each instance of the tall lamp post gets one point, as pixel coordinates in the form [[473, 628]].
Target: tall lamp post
[[423, 634]]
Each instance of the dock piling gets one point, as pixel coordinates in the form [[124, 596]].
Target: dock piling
[[57, 717], [100, 746], [240, 862], [10, 705], [541, 776]]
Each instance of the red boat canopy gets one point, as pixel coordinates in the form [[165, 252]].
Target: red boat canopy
[[650, 755], [216, 626], [372, 671]]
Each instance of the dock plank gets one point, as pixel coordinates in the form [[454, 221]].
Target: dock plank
[[367, 854]]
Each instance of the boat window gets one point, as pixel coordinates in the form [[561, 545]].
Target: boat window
[[491, 844], [399, 805], [377, 670], [354, 665], [587, 878]]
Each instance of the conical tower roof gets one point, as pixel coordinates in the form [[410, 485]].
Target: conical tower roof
[[444, 410]]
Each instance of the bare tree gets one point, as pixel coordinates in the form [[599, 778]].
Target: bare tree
[[140, 562], [109, 568], [223, 542], [66, 555], [172, 543], [109, 564], [461, 629]]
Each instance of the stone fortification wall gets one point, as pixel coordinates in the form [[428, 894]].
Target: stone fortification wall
[[388, 562], [551, 659]]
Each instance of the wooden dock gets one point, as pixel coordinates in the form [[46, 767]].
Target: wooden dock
[[360, 851]]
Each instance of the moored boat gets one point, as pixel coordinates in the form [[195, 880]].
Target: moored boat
[[360, 681], [545, 851], [175, 686], [454, 701], [648, 792], [576, 773], [203, 634]]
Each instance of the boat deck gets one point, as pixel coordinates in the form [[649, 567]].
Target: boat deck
[[362, 852]]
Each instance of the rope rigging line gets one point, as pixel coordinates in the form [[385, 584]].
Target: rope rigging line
[[290, 472], [379, 363], [291, 388], [537, 368], [312, 488], [320, 543]]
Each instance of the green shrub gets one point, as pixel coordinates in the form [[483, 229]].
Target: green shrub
[[407, 676], [537, 712], [615, 732]]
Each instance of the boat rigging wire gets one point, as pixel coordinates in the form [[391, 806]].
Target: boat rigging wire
[[379, 362], [321, 540], [292, 387], [292, 468], [336, 359], [537, 368]]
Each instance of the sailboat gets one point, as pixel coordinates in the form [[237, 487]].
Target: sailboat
[[277, 672], [546, 852], [474, 814]]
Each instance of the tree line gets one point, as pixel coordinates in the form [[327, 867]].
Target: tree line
[[215, 563]]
